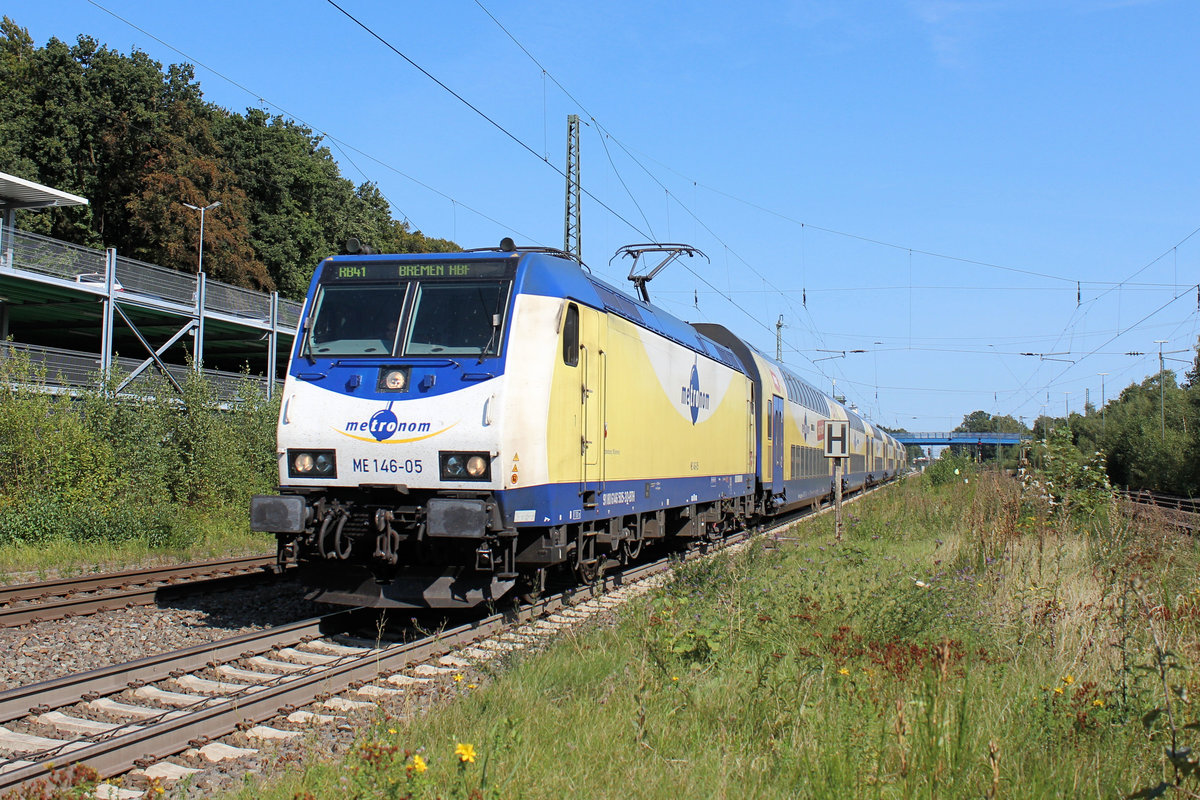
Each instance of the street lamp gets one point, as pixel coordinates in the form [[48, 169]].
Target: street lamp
[[1162, 394], [202, 209]]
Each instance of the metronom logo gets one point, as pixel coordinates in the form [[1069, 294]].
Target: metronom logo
[[692, 397], [384, 424]]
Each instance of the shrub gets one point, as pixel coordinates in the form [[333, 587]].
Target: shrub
[[91, 468]]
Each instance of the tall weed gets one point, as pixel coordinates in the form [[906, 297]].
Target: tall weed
[[93, 467]]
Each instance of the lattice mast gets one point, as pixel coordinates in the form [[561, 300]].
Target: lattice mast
[[572, 227]]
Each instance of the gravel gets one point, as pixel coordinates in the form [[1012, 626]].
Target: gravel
[[52, 649]]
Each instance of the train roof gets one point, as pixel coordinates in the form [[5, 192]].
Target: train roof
[[553, 275]]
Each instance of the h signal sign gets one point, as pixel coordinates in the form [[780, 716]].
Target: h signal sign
[[837, 439]]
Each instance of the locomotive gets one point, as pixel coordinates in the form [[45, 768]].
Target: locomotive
[[456, 427]]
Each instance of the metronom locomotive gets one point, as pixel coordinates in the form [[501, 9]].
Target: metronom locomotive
[[456, 426]]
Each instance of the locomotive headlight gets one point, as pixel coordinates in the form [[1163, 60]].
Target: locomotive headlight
[[312, 464], [465, 466], [392, 379], [453, 467]]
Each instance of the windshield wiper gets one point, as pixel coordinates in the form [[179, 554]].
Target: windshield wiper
[[312, 362]]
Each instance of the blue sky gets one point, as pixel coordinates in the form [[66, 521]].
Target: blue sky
[[925, 180]]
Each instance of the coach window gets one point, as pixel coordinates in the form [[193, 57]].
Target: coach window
[[571, 336]]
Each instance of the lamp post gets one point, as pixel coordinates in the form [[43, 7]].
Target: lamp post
[[1162, 394], [202, 209]]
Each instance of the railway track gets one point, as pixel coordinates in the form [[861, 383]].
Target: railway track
[[1179, 512], [135, 716], [22, 604], [164, 705]]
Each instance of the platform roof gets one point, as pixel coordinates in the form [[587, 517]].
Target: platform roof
[[19, 193]]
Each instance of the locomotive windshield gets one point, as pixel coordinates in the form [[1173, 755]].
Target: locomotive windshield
[[411, 318], [355, 321], [456, 319]]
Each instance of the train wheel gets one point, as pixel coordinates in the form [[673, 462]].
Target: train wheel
[[532, 585], [587, 566], [588, 571], [631, 547]]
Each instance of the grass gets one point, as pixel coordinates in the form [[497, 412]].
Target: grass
[[195, 537], [962, 641], [94, 481]]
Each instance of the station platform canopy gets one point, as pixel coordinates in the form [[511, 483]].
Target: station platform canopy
[[80, 311], [17, 193]]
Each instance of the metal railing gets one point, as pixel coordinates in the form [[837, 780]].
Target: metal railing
[[961, 436], [69, 370], [45, 256], [138, 277]]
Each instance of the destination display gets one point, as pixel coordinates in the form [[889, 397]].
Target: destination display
[[413, 270]]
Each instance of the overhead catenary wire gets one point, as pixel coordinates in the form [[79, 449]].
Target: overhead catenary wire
[[341, 144], [509, 134], [605, 134], [1074, 330]]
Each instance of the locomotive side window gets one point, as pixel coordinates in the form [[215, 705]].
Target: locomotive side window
[[355, 320], [571, 336]]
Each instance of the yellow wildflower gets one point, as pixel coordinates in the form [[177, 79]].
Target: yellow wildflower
[[458, 678], [674, 677], [418, 764], [843, 671], [1098, 702], [465, 752], [1068, 679], [472, 685], [1058, 690]]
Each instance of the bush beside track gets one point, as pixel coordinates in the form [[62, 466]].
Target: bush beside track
[[152, 469], [966, 639]]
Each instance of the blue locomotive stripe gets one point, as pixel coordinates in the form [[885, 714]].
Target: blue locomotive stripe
[[560, 504]]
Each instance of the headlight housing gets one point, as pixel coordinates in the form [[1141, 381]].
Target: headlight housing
[[465, 466], [312, 463], [392, 379]]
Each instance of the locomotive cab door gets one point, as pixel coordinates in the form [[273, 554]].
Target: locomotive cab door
[[593, 362], [776, 444]]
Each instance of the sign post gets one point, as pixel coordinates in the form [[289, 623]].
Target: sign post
[[837, 447]]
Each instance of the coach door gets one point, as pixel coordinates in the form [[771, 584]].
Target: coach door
[[593, 362], [776, 445]]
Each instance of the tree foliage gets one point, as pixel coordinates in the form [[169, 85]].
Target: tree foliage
[[983, 422], [138, 141], [1148, 435]]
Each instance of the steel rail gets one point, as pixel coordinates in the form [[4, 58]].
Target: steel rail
[[220, 716], [59, 692], [169, 580], [1167, 502], [159, 738], [1179, 512], [106, 580]]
